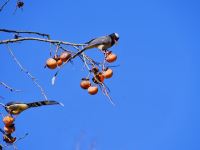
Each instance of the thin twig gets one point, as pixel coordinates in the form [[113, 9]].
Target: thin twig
[[4, 5], [8, 87], [84, 58], [26, 134], [92, 145], [25, 32], [27, 72], [106, 92]]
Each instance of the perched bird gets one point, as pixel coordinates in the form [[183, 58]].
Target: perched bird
[[15, 108], [103, 42]]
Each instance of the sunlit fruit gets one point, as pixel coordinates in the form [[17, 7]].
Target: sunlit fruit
[[108, 73], [100, 77], [9, 129], [8, 138], [59, 62], [8, 120], [65, 56], [111, 57], [51, 63], [92, 90], [85, 83]]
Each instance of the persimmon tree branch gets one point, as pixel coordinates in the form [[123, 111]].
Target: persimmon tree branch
[[4, 4], [39, 39], [8, 87], [27, 72], [25, 32], [90, 64]]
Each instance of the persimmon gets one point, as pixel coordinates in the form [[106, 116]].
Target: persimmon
[[108, 73], [100, 77], [59, 62], [111, 57], [65, 56], [51, 63], [8, 120], [8, 138], [85, 83], [9, 129], [93, 90]]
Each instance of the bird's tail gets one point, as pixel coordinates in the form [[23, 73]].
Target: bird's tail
[[41, 103]]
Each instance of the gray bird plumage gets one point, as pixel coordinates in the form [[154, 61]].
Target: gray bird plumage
[[103, 42]]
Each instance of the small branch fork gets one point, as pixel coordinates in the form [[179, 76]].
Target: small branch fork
[[8, 87], [59, 45], [27, 72]]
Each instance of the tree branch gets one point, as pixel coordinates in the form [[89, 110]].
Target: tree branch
[[39, 39], [25, 32], [8, 87], [4, 5], [28, 73]]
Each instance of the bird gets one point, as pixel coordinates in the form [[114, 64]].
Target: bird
[[103, 42], [15, 108]]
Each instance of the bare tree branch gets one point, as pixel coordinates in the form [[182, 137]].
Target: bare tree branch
[[39, 39], [1, 8], [89, 63], [8, 87], [25, 32], [27, 72]]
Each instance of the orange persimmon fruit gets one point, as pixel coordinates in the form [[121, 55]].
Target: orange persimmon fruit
[[108, 73], [59, 62], [9, 129], [65, 56], [111, 57], [51, 63], [8, 120], [85, 83], [92, 90]]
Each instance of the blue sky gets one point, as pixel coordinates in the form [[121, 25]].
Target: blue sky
[[156, 87]]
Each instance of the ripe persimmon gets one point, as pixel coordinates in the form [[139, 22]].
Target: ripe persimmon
[[92, 90], [111, 57], [85, 83], [108, 73], [65, 56], [59, 62], [51, 63], [8, 120], [100, 77], [9, 129]]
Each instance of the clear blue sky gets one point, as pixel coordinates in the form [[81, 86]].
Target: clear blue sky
[[156, 88]]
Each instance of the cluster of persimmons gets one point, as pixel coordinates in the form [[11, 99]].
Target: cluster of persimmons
[[98, 75], [9, 128]]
